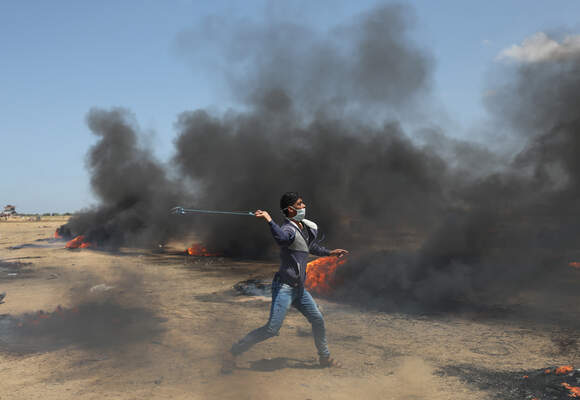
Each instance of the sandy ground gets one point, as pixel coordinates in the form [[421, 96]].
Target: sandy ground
[[195, 315]]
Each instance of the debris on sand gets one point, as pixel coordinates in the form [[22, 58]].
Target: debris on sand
[[24, 246], [254, 287], [39, 244], [9, 270], [90, 325], [551, 383], [101, 288]]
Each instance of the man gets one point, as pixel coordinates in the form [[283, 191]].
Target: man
[[296, 238]]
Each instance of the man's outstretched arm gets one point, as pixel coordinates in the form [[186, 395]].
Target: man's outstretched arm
[[322, 251], [283, 237], [319, 250]]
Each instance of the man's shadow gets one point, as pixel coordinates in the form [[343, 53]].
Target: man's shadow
[[274, 364]]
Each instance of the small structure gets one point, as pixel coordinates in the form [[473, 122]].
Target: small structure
[[9, 211]]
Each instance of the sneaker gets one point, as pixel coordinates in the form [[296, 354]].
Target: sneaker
[[327, 362]]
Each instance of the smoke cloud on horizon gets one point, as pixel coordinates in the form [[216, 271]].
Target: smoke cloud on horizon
[[484, 226]]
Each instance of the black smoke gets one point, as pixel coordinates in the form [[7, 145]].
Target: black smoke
[[327, 114], [519, 228], [133, 188], [368, 63], [351, 181], [99, 316], [307, 96]]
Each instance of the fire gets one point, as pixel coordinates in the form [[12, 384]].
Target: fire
[[57, 235], [320, 274], [78, 243], [565, 369], [574, 390], [574, 264], [200, 251], [562, 370]]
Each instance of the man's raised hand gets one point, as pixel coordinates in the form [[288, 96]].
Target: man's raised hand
[[263, 214]]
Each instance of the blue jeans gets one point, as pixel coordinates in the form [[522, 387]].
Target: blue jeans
[[283, 296]]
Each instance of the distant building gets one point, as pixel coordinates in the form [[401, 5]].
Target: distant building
[[9, 210]]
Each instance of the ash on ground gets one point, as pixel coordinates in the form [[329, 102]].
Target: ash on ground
[[38, 244], [11, 270], [550, 383], [254, 287], [90, 325]]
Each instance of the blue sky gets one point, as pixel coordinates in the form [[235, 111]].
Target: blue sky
[[60, 58]]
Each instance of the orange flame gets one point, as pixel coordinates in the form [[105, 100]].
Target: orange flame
[[320, 274], [564, 369], [78, 243], [57, 235], [574, 264], [200, 251], [574, 390]]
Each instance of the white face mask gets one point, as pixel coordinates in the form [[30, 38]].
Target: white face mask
[[300, 213]]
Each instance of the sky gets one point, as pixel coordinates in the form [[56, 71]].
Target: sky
[[59, 59]]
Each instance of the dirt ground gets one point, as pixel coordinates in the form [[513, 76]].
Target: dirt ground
[[178, 314]]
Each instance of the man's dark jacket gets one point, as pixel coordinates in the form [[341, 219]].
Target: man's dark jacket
[[295, 245]]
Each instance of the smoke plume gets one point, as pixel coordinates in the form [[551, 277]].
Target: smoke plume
[[324, 114], [99, 316], [134, 189], [307, 96], [518, 225]]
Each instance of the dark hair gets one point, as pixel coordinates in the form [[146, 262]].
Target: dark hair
[[288, 199]]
